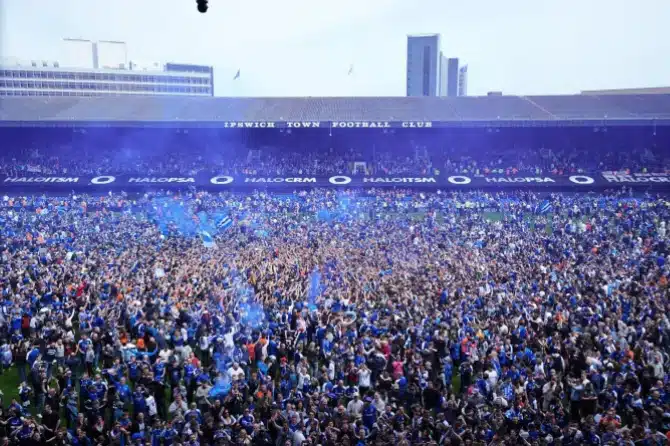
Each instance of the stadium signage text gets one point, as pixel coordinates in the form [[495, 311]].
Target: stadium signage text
[[615, 177], [106, 182], [250, 125], [41, 180], [519, 180], [280, 180], [399, 180], [161, 180], [327, 124]]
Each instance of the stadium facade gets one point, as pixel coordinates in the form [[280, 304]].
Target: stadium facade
[[592, 121], [50, 79], [619, 91]]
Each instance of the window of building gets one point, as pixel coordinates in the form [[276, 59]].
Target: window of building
[[426, 71]]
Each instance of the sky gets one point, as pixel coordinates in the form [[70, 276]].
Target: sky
[[306, 47]]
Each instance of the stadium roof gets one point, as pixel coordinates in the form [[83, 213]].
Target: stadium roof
[[177, 110]]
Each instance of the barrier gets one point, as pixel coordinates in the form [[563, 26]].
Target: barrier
[[213, 182]]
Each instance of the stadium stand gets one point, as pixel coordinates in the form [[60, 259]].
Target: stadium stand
[[489, 108]]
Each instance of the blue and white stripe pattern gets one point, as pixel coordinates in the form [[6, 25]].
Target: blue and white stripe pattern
[[225, 223], [544, 208]]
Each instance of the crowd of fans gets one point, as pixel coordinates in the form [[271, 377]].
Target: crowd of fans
[[405, 160], [323, 318]]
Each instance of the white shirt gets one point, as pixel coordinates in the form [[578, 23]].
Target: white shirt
[[151, 405], [302, 379], [298, 438], [364, 378], [236, 374], [174, 407], [355, 408], [228, 340], [493, 378]]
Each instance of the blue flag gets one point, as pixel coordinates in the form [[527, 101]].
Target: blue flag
[[225, 223], [207, 240], [544, 208]]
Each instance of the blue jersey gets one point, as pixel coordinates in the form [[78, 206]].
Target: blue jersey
[[369, 416]]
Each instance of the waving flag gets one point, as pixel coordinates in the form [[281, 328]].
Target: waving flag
[[225, 223], [207, 240], [544, 208]]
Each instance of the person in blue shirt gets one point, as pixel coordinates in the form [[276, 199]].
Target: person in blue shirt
[[33, 355], [247, 421], [117, 435], [139, 403], [82, 346], [169, 434], [100, 387], [14, 422], [369, 413], [156, 433], [25, 431], [159, 369], [189, 373], [339, 389], [193, 413], [25, 393], [123, 390], [16, 336], [134, 369]]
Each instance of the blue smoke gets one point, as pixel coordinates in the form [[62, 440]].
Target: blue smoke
[[221, 386], [173, 215], [315, 289], [251, 313]]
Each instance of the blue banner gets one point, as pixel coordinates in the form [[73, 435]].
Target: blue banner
[[214, 182]]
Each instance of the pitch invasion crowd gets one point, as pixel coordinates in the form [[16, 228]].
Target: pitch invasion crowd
[[397, 318]]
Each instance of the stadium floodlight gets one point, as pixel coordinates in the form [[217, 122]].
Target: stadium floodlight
[[202, 6]]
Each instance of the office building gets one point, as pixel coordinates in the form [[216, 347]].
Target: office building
[[103, 76], [452, 77], [50, 79], [463, 81], [430, 72], [424, 61], [443, 75]]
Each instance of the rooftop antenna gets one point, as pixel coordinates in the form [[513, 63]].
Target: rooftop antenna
[[95, 52]]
